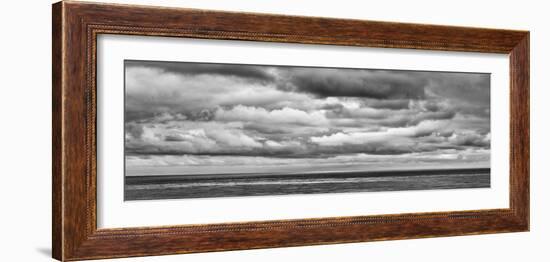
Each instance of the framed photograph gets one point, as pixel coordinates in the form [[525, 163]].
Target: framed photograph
[[181, 130]]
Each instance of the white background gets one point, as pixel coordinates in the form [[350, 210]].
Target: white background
[[25, 194], [114, 212]]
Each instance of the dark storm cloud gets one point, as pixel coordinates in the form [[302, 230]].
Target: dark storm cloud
[[265, 128], [417, 118], [234, 70], [171, 138], [136, 115], [394, 104], [133, 129], [471, 88], [378, 84], [469, 94]]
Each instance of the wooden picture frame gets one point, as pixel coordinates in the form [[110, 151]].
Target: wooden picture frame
[[76, 26]]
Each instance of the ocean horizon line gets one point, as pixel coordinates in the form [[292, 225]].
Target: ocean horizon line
[[312, 175]]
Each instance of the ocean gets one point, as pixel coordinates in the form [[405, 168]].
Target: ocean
[[236, 185]]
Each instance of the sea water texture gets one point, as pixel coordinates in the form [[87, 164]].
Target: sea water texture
[[233, 185]]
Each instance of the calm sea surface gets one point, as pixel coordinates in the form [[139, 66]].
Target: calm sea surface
[[203, 186]]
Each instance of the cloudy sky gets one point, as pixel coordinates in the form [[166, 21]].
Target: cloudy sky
[[192, 118]]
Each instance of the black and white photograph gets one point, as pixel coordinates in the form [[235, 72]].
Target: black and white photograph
[[202, 130]]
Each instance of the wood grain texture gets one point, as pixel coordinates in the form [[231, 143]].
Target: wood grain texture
[[519, 129], [75, 29], [57, 191]]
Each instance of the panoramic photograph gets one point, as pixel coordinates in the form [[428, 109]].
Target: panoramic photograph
[[202, 130]]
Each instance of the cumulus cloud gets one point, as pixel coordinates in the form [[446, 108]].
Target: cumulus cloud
[[261, 115], [469, 138], [387, 135], [150, 92]]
